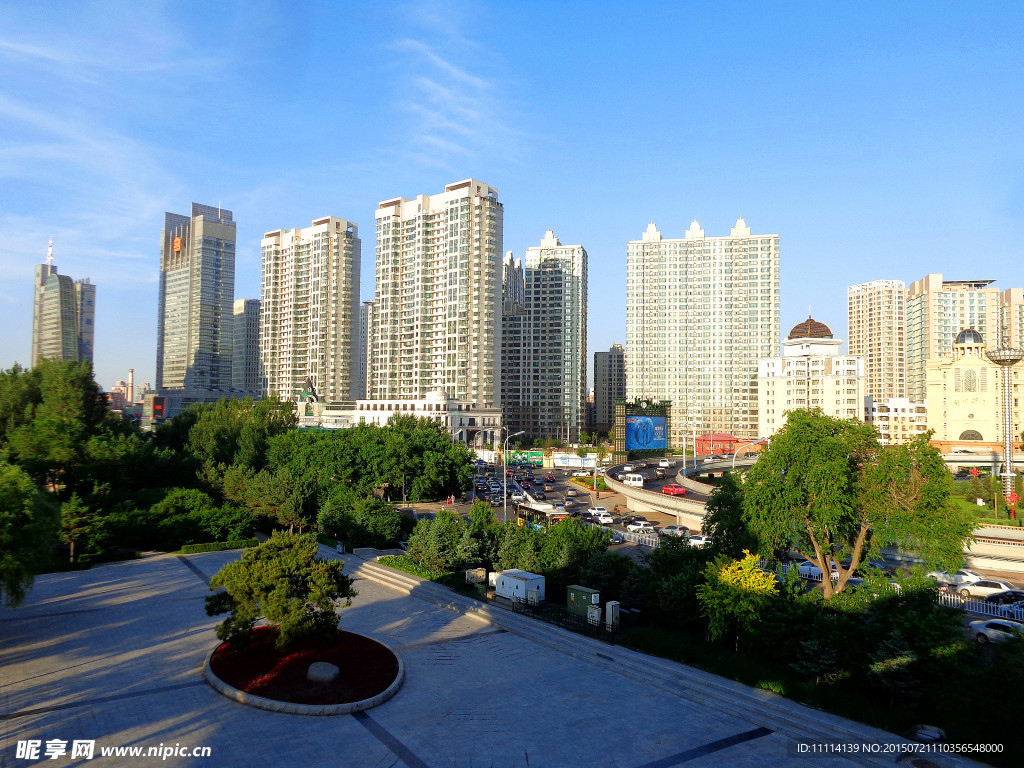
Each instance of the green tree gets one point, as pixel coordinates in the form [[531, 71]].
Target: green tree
[[826, 488], [735, 594], [616, 577], [442, 544], [29, 524], [78, 525], [284, 582], [50, 443], [724, 521], [380, 521]]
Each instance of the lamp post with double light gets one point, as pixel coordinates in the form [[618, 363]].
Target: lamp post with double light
[[504, 466], [1006, 357]]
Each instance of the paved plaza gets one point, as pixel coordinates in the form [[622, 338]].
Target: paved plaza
[[115, 655]]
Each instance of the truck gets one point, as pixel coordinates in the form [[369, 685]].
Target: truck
[[515, 584]]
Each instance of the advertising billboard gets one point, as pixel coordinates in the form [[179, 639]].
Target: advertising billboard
[[645, 433], [525, 457]]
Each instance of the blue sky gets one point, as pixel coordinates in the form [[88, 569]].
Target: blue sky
[[878, 139]]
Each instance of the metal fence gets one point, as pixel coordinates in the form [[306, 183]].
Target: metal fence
[[559, 616], [973, 605]]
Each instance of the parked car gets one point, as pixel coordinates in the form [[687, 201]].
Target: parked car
[[673, 489], [876, 565], [676, 530], [715, 457], [699, 540], [604, 518], [640, 526], [808, 570], [983, 588], [993, 630], [1006, 597], [616, 537], [963, 576]]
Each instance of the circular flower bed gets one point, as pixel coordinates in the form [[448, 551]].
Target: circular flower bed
[[368, 668]]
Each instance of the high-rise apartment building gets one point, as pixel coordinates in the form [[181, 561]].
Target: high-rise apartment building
[[437, 310], [63, 315], [877, 314], [360, 358], [310, 311], [937, 310], [544, 340], [700, 312], [195, 323], [809, 374], [609, 384], [246, 371]]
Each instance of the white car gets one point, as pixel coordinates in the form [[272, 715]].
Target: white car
[[581, 473], [963, 576], [640, 526], [665, 464], [699, 540], [627, 467], [982, 588], [808, 570], [572, 492], [604, 518], [993, 630], [518, 496], [676, 530]]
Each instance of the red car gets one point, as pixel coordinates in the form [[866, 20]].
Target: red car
[[674, 490], [550, 478]]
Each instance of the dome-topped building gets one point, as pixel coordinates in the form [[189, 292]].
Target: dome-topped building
[[810, 373], [810, 329], [969, 336]]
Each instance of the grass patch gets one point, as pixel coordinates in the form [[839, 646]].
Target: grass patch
[[403, 563]]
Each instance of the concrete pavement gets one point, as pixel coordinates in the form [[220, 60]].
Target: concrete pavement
[[114, 654]]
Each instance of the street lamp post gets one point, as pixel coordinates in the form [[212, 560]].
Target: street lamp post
[[1006, 357], [504, 467], [737, 454]]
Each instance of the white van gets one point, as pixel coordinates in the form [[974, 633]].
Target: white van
[[637, 481]]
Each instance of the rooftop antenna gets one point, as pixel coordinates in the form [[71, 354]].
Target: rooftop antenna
[[49, 253]]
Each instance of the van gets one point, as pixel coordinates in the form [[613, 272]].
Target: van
[[635, 480]]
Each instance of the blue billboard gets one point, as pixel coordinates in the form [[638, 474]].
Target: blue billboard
[[646, 433]]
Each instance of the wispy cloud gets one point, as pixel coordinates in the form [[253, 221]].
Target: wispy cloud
[[456, 104]]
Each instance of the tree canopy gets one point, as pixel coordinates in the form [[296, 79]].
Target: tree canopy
[[826, 488], [284, 582], [29, 524]]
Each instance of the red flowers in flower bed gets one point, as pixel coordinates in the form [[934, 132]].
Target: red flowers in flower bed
[[367, 668]]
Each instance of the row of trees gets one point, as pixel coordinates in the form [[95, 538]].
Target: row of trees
[[214, 472]]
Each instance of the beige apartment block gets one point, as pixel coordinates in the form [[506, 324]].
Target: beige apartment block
[[437, 310], [700, 312], [898, 420], [937, 310], [877, 315], [310, 308], [810, 374]]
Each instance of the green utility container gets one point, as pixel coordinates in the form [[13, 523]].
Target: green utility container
[[579, 598]]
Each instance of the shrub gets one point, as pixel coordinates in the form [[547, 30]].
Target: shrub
[[219, 546], [284, 582]]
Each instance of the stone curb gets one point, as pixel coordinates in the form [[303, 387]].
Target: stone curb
[[292, 708], [789, 718]]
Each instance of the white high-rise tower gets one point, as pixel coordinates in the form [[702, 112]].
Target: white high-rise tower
[[437, 310], [700, 312]]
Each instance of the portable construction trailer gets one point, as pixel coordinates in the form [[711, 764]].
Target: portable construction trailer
[[515, 584]]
